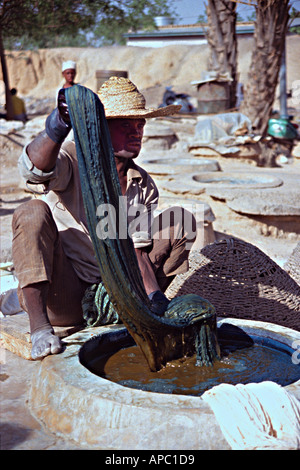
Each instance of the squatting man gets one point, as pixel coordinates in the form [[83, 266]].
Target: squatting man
[[52, 251]]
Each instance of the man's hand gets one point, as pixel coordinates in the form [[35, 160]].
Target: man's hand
[[158, 302], [44, 149], [58, 124], [63, 107]]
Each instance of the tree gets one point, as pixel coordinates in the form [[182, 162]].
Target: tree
[[221, 37], [8, 100], [55, 23], [45, 24], [41, 21], [117, 19], [10, 14], [269, 42], [295, 14]]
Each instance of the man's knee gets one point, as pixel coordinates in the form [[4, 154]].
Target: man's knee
[[175, 223], [30, 212], [34, 241]]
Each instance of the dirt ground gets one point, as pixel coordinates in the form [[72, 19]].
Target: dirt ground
[[37, 75], [20, 430], [271, 236]]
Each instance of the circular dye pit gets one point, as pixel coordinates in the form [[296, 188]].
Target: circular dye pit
[[244, 359], [216, 181], [237, 180], [98, 413], [171, 166]]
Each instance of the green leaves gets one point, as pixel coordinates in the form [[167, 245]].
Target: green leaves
[[56, 23]]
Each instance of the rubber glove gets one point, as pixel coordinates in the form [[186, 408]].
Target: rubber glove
[[158, 302], [58, 123]]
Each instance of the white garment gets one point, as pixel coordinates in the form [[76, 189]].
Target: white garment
[[9, 302], [256, 416]]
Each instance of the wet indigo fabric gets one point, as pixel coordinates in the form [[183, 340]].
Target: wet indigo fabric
[[116, 257]]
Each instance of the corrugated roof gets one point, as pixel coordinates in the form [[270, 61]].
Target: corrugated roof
[[196, 29], [185, 30]]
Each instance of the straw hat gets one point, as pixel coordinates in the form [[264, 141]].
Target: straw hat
[[121, 99]]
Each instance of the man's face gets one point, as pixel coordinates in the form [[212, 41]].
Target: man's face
[[69, 75], [126, 136]]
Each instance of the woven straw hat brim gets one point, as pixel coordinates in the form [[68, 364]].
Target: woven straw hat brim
[[122, 99], [142, 113]]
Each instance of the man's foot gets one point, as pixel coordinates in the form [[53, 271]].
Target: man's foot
[[44, 343]]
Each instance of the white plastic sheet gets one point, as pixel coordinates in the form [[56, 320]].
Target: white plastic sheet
[[9, 302], [256, 416], [223, 132]]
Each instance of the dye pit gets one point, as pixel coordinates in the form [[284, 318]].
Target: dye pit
[[243, 361], [98, 413], [239, 180]]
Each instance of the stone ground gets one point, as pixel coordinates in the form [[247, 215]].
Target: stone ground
[[19, 430]]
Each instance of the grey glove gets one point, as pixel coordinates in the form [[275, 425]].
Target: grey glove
[[158, 302], [58, 123]]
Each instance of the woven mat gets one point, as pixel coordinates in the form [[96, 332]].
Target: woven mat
[[241, 282], [292, 266]]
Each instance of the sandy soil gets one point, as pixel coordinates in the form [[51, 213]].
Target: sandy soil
[[275, 240], [37, 76]]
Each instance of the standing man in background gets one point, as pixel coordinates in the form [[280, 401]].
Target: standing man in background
[[69, 73]]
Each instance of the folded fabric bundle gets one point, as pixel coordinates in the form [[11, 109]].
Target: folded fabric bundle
[[256, 416], [159, 337]]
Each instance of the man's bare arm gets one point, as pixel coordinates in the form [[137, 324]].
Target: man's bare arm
[[43, 152], [44, 149]]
